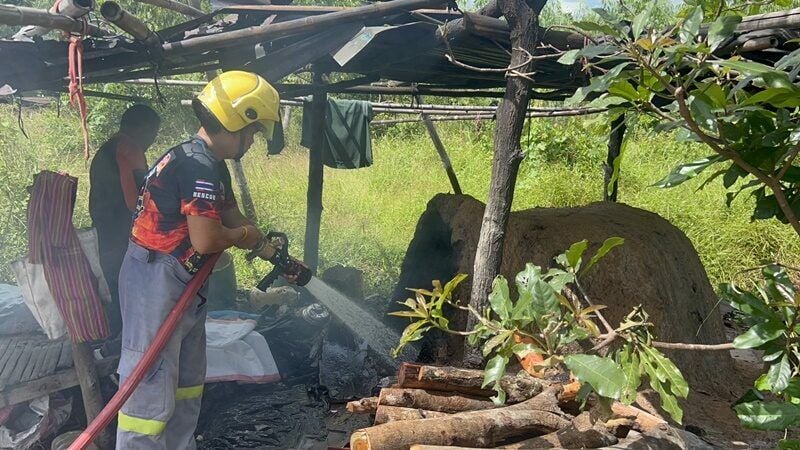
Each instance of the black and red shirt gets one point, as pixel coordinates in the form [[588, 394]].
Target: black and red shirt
[[187, 181]]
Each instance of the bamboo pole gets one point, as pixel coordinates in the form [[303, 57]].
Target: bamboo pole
[[182, 8], [129, 23], [21, 15], [440, 150], [260, 33]]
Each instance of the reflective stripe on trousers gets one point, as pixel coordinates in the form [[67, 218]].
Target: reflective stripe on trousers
[[163, 410]]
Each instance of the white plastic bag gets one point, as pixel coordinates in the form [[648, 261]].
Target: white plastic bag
[[37, 295]]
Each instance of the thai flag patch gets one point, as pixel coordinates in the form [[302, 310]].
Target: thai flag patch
[[205, 190], [204, 186]]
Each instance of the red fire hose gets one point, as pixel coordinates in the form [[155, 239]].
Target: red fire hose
[[162, 336]]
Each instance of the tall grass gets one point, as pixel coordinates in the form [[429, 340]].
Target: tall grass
[[370, 214]]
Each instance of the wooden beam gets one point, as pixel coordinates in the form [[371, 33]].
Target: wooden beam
[[615, 140], [315, 176], [437, 143], [61, 380], [255, 34], [523, 20], [86, 371], [21, 15]]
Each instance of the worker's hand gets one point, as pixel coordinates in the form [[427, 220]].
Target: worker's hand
[[270, 248], [250, 236]]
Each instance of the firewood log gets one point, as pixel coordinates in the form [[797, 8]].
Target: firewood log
[[386, 414], [477, 428], [364, 406], [583, 432], [518, 387], [431, 400]]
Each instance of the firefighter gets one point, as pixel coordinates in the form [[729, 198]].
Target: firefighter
[[186, 212]]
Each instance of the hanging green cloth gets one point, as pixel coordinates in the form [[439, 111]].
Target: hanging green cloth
[[346, 143]]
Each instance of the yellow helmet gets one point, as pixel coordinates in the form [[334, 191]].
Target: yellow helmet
[[237, 99]]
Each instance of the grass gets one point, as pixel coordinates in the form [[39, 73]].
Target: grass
[[370, 214]]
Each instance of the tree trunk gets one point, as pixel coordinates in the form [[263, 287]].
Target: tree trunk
[[431, 401], [467, 381], [614, 148], [477, 428], [386, 414], [523, 18]]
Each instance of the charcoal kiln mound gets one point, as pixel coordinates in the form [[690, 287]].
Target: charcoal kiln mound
[[657, 267]]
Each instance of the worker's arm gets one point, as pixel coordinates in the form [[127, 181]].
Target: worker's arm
[[211, 236], [232, 218], [132, 168], [203, 197]]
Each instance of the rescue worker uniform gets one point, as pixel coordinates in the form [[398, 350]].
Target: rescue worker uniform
[[162, 413], [116, 173]]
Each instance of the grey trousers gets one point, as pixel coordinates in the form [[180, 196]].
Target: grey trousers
[[163, 410]]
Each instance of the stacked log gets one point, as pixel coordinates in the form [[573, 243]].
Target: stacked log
[[441, 408]]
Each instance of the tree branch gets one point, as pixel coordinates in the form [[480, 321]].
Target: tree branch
[[773, 184]]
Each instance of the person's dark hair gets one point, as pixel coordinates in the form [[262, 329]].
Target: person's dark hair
[[138, 116], [207, 120]]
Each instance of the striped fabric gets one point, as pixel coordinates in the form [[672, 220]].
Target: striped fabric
[[52, 242]]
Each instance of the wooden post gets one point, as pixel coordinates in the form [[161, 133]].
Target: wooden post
[[244, 191], [615, 140], [523, 18], [315, 175], [93, 403], [287, 119], [437, 142]]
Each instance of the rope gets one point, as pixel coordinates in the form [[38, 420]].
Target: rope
[[76, 96]]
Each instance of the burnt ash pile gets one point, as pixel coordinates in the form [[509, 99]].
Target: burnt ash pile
[[276, 416], [322, 365]]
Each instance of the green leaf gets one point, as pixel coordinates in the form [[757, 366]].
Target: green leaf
[[498, 340], [771, 416], [687, 171], [545, 300], [745, 67], [691, 25], [779, 375], [575, 252], [747, 303], [607, 246], [495, 369], [762, 383], [759, 334], [499, 298], [605, 375], [657, 380], [721, 29], [525, 280], [641, 20], [667, 370], [629, 362], [558, 278]]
